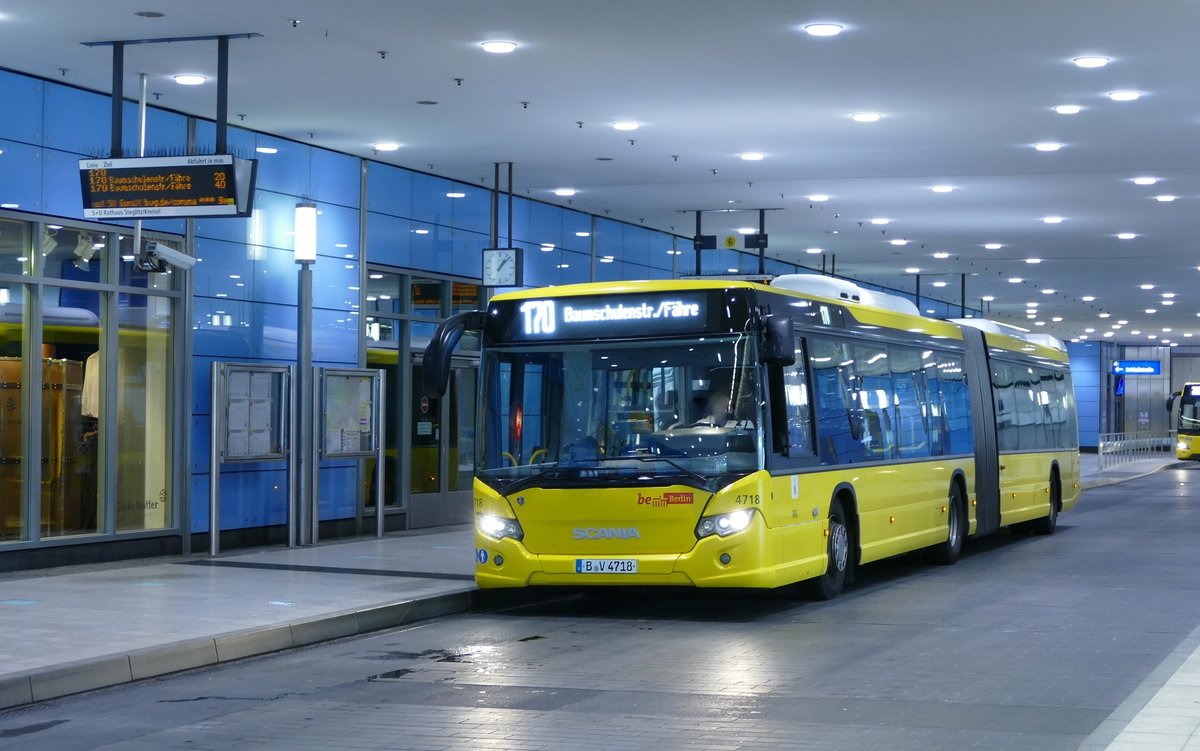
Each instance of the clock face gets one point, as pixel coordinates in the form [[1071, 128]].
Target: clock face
[[500, 267]]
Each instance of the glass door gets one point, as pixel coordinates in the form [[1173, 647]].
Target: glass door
[[443, 449]]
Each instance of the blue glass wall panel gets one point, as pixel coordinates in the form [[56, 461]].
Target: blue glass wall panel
[[389, 239], [335, 284], [467, 254], [337, 487], [337, 231], [77, 121], [335, 179], [335, 337], [239, 141], [22, 119], [21, 176], [429, 201], [286, 172], [389, 189]]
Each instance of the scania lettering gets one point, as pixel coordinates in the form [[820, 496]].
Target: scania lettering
[[732, 433]]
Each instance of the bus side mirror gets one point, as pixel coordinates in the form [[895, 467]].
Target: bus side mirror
[[435, 363], [1171, 400], [778, 344]]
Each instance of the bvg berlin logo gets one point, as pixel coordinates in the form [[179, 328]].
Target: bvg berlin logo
[[666, 499], [539, 316]]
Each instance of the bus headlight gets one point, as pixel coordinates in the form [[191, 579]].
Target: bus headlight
[[497, 527], [1182, 446], [724, 524]]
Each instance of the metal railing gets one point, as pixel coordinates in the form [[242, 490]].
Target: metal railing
[[1119, 448]]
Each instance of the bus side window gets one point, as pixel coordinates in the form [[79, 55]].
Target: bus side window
[[797, 409]]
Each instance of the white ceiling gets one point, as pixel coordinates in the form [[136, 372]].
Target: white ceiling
[[965, 88]]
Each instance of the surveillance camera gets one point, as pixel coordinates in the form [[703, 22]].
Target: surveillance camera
[[156, 255]]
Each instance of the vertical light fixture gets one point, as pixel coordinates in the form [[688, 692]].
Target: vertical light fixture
[[306, 232], [304, 452]]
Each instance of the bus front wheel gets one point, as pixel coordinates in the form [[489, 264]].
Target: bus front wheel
[[948, 552], [837, 548]]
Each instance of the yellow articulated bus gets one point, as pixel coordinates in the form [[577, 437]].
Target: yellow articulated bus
[[1187, 428], [729, 433]]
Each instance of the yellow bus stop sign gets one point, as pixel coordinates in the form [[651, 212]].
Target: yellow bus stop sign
[[730, 241]]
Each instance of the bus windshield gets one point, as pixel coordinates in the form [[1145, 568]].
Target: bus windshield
[[1189, 411], [621, 413]]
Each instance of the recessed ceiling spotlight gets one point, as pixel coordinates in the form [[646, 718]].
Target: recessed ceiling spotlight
[[993, 246], [1089, 331], [1168, 302], [498, 47], [565, 192], [1135, 332], [942, 188], [1031, 304], [385, 146], [1125, 95], [1126, 235], [1047, 146], [880, 220], [1091, 61], [1039, 323], [814, 251], [823, 29], [1106, 315], [1052, 219], [1015, 280], [987, 298], [1164, 198], [625, 125], [1088, 298], [752, 156], [1151, 311], [939, 284], [1047, 291], [912, 270], [1031, 316], [1068, 109], [1122, 323], [941, 254], [899, 241], [189, 79], [866, 117], [1168, 295], [747, 231], [1145, 180], [1146, 286], [818, 197], [1033, 260], [1057, 319]]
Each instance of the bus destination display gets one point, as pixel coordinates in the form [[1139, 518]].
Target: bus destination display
[[155, 187]]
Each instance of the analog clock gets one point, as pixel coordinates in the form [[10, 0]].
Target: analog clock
[[502, 267]]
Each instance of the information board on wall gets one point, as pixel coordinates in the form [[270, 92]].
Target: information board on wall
[[350, 399], [253, 410]]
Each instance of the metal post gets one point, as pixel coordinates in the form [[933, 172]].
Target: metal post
[[304, 405], [222, 94], [698, 242], [317, 389], [762, 249], [118, 97], [918, 278], [214, 462], [380, 377], [962, 295], [292, 470]]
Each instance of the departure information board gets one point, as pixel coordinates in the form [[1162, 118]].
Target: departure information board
[[177, 186]]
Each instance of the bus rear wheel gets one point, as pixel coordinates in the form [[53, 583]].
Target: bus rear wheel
[[1047, 524], [948, 552], [837, 548]]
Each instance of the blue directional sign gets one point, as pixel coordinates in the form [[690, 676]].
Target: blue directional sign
[[1137, 367]]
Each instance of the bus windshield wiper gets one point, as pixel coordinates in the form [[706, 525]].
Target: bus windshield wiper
[[701, 480]]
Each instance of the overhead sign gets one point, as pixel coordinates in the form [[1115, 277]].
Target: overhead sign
[[176, 186], [580, 317], [1137, 367]]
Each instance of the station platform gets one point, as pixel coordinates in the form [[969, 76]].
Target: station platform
[[79, 628]]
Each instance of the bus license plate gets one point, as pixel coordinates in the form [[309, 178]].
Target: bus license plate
[[606, 566]]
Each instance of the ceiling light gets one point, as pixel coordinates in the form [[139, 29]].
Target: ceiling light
[[1122, 323], [912, 270], [456, 194], [564, 192], [1091, 61], [1033, 260], [987, 298], [421, 231], [1164, 199], [1089, 331], [498, 48], [942, 188], [752, 156], [1168, 295], [814, 251], [1039, 323], [385, 146], [1047, 146], [992, 246], [823, 29], [866, 117], [1015, 280], [1124, 95], [1106, 315], [1166, 331], [818, 197], [1068, 109], [1135, 333], [747, 231], [190, 79], [1125, 235], [1145, 180], [1031, 305], [1168, 302], [880, 220], [939, 284], [1088, 298], [1047, 291], [1031, 316], [583, 234], [1146, 286], [1052, 219], [266, 150], [1151, 311], [625, 125], [1057, 319], [899, 241], [941, 254]]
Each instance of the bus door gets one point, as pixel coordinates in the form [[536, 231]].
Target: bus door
[[442, 434], [987, 456]]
